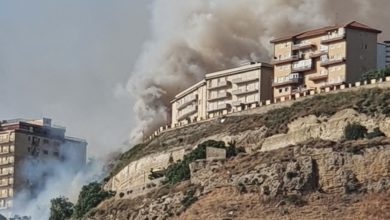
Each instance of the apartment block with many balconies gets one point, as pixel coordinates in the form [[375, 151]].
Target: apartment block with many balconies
[[239, 88], [324, 57], [189, 105], [223, 92], [23, 141]]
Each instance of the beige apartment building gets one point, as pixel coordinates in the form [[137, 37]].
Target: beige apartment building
[[23, 141], [324, 57], [224, 92]]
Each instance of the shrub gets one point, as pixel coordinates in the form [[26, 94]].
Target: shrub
[[242, 188], [60, 209], [156, 174], [291, 175], [189, 198], [375, 133], [180, 170], [121, 195], [355, 131], [90, 196]]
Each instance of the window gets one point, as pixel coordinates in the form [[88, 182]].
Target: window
[[45, 141], [45, 152], [280, 90], [56, 154], [286, 89]]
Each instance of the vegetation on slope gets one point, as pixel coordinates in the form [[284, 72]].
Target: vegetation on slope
[[90, 196], [61, 209], [180, 170], [368, 101]]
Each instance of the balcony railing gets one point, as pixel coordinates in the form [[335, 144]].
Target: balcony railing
[[302, 68], [222, 95], [291, 79], [244, 91], [219, 85], [244, 80], [332, 38], [188, 112], [318, 77], [318, 54], [237, 103], [329, 62], [187, 101], [286, 59], [302, 46], [220, 108]]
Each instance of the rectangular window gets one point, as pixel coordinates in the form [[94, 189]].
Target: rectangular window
[[45, 152]]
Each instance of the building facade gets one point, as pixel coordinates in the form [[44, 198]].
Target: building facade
[[324, 57], [223, 92], [387, 53], [381, 57], [24, 140]]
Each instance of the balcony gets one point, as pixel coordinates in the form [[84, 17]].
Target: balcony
[[6, 164], [239, 92], [329, 62], [318, 77], [293, 78], [285, 60], [332, 38], [219, 85], [302, 68], [318, 54], [302, 46], [302, 65], [220, 108], [189, 111], [6, 174], [244, 80], [221, 95], [187, 101], [237, 103]]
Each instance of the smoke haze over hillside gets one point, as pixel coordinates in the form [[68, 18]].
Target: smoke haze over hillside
[[105, 69], [191, 38]]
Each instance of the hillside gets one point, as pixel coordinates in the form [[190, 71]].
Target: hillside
[[317, 179], [298, 164]]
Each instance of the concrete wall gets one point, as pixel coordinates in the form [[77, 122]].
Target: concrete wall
[[361, 53], [136, 173], [215, 153]]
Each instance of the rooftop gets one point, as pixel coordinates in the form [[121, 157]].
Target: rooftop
[[324, 30]]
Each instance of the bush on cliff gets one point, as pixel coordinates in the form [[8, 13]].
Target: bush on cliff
[[61, 209], [90, 196], [180, 170], [355, 131]]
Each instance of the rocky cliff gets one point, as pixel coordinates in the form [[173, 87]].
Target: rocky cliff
[[314, 180], [297, 165]]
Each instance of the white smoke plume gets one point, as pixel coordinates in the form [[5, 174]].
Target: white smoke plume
[[191, 38], [52, 178]]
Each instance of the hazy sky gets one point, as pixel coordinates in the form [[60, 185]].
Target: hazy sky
[[70, 60], [73, 60]]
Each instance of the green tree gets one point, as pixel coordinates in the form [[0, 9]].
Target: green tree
[[90, 196], [60, 209]]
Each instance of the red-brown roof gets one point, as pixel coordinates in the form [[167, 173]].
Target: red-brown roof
[[324, 30]]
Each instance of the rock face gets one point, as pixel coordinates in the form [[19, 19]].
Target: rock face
[[292, 182]]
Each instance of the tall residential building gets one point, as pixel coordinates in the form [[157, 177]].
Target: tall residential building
[[224, 92], [323, 57], [25, 142]]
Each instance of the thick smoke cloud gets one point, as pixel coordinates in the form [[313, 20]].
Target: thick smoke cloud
[[69, 60], [191, 38]]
